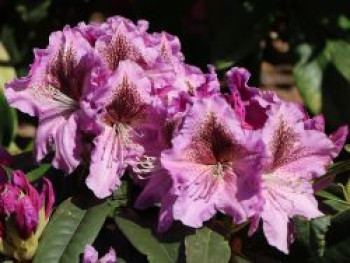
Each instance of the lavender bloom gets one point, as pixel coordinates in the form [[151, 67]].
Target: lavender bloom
[[124, 111], [298, 151], [155, 179], [214, 165], [52, 91], [250, 104]]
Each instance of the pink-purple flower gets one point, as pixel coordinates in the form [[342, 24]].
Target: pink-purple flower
[[124, 111], [214, 165], [297, 152], [118, 99], [52, 91]]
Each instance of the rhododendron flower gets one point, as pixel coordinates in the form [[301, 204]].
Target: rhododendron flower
[[91, 256], [214, 165], [156, 180], [23, 214], [124, 110], [52, 91], [250, 104], [124, 41], [298, 152]]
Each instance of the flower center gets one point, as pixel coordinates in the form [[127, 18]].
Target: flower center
[[218, 170]]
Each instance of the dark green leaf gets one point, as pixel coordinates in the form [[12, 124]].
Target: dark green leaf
[[6, 72], [69, 230], [338, 206], [340, 55], [239, 259], [339, 167], [327, 195], [142, 237], [339, 250], [308, 76], [311, 233], [8, 122], [207, 246], [38, 172]]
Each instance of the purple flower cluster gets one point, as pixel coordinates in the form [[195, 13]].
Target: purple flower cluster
[[117, 98]]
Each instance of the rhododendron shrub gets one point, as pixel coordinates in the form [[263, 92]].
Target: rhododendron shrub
[[120, 109]]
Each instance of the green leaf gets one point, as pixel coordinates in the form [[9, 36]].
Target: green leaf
[[338, 206], [38, 172], [239, 259], [142, 237], [207, 246], [344, 22], [340, 56], [327, 195], [311, 233], [6, 72], [308, 74], [69, 230], [8, 122], [339, 167], [339, 250], [347, 147]]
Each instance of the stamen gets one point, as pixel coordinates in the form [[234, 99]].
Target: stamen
[[218, 170], [51, 93], [145, 164], [293, 182]]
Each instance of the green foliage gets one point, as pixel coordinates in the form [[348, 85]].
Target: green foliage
[[339, 52], [308, 78], [8, 120], [37, 173], [311, 233], [69, 230], [179, 244], [145, 241], [207, 246], [339, 251]]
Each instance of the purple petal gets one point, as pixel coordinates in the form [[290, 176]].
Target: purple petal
[[27, 217], [68, 145], [109, 257], [9, 200], [157, 187], [48, 196], [275, 226], [298, 152], [107, 164], [214, 165], [90, 255], [20, 180], [291, 147], [315, 123], [339, 138]]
